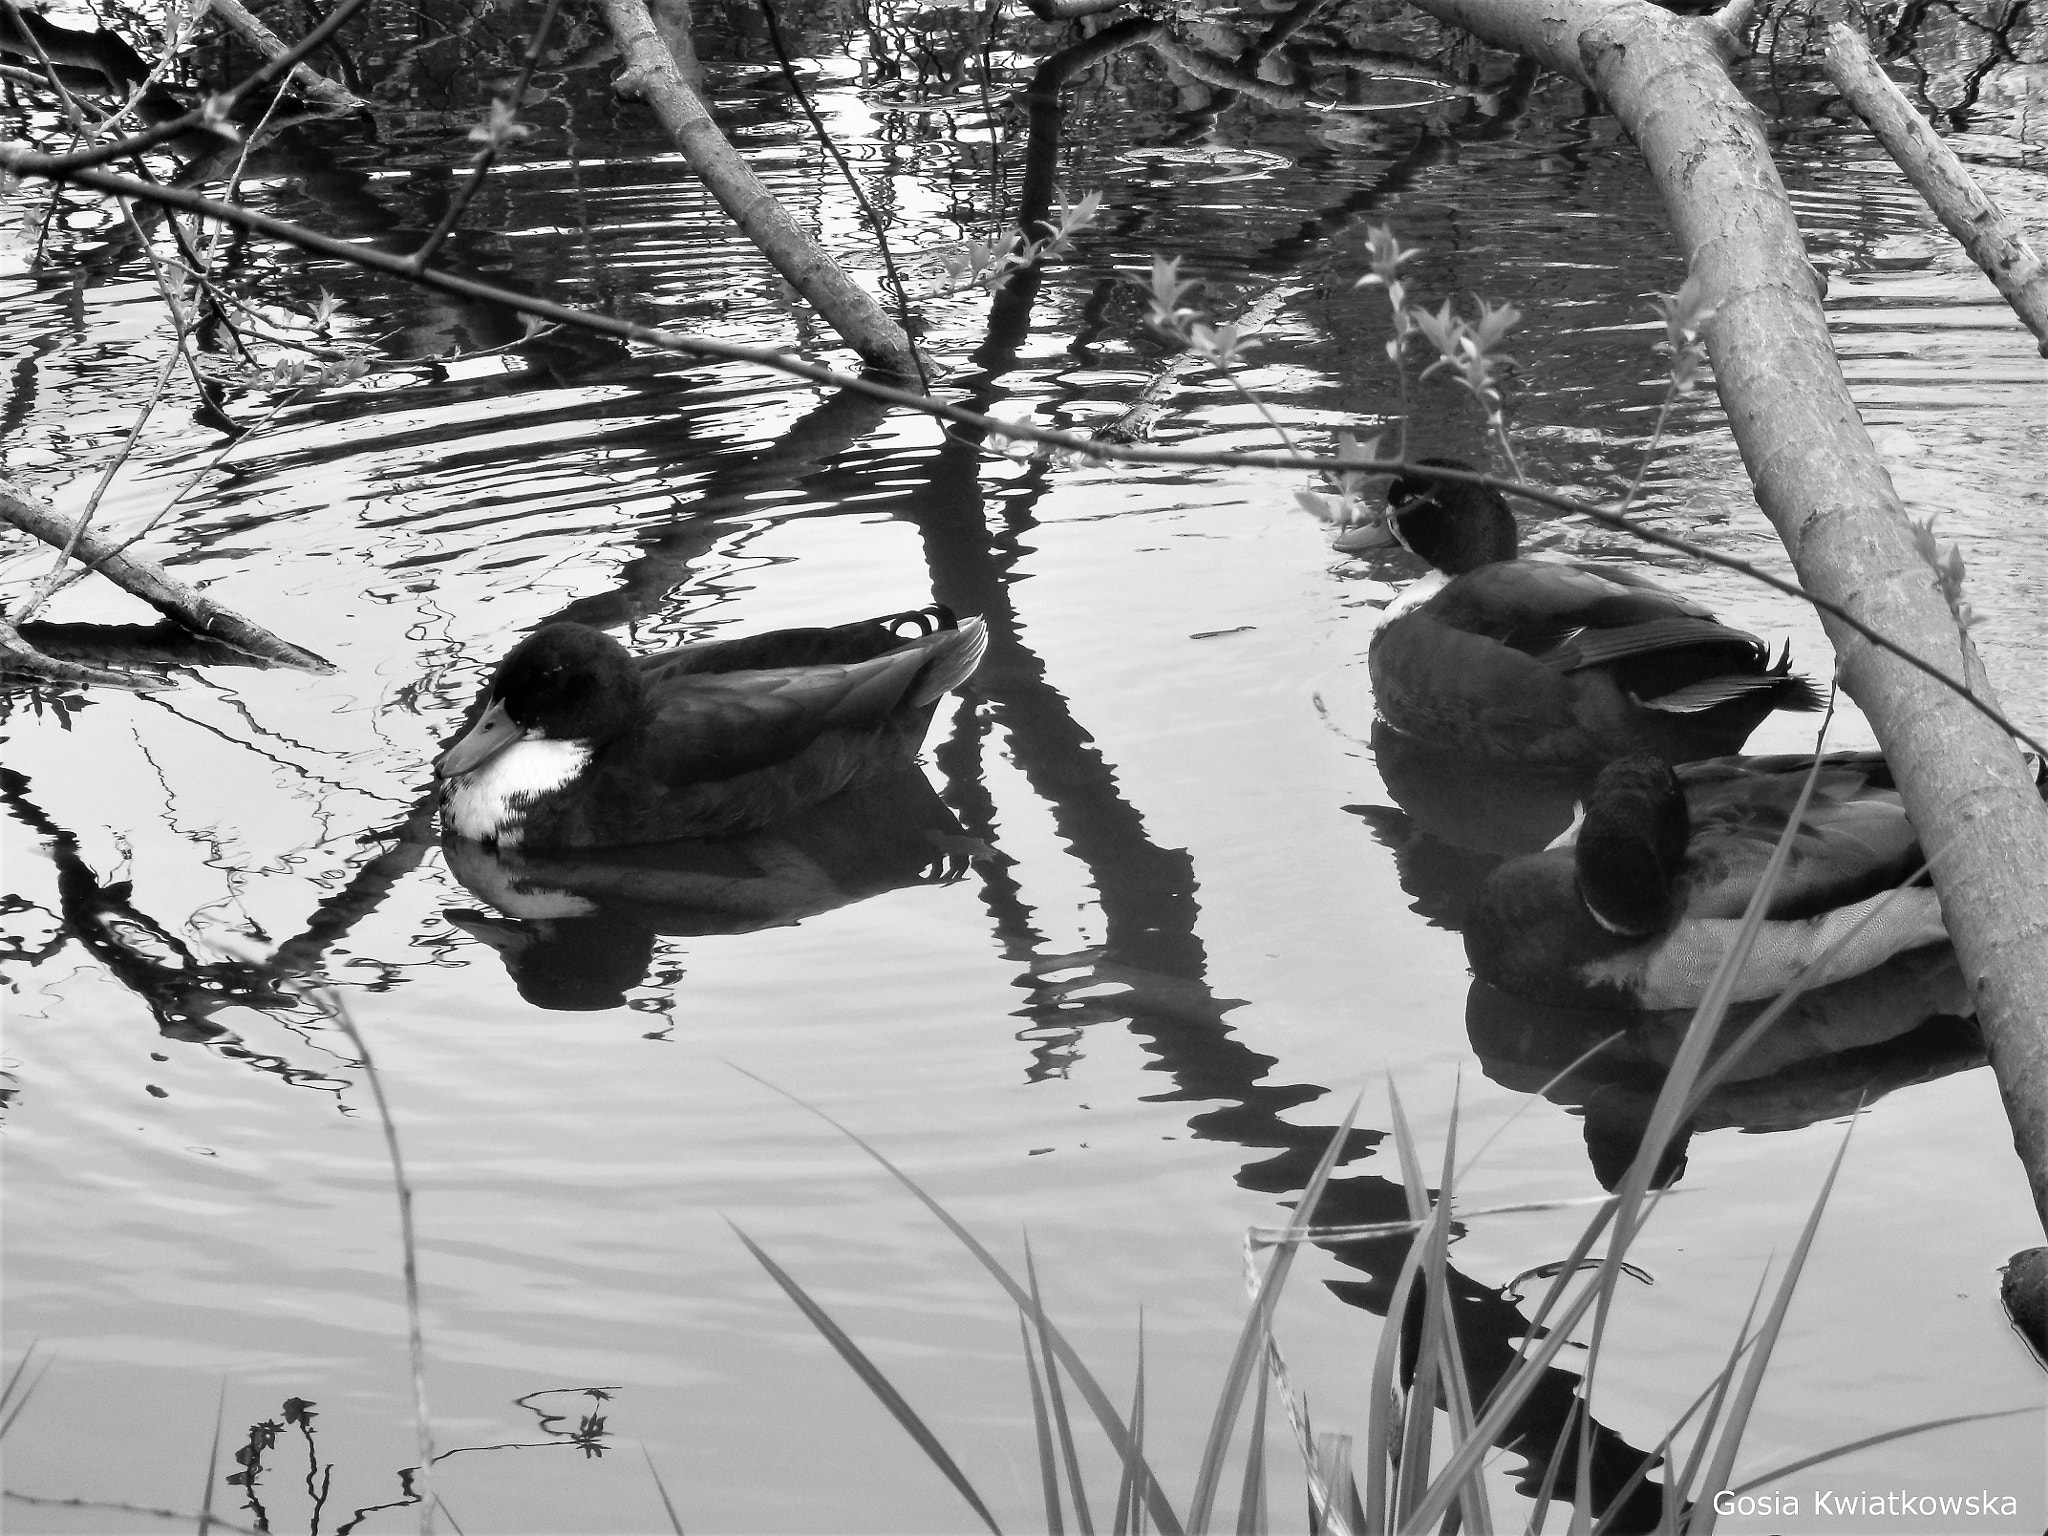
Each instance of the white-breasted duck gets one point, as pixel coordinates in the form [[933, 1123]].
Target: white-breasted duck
[[582, 744]]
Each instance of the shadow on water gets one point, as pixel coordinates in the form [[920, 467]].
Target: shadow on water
[[578, 930]]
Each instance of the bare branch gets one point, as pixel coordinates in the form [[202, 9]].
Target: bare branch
[[150, 582], [309, 81], [217, 107]]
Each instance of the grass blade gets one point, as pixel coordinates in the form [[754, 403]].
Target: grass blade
[[1382, 1426], [1723, 1462], [1059, 1400], [876, 1382], [674, 1521], [1130, 1508], [336, 1007], [220, 1412], [1419, 1420], [1582, 1504], [1251, 1342], [1743, 1339], [1419, 1426], [1555, 1465], [1475, 1510], [1084, 1379], [1830, 1454], [1251, 1500], [19, 1400], [1048, 1469]]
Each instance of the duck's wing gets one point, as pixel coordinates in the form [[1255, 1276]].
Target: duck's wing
[[714, 725], [1572, 617], [828, 646], [1853, 840]]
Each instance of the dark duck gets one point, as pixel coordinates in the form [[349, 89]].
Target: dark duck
[[1553, 665], [582, 744], [1637, 904]]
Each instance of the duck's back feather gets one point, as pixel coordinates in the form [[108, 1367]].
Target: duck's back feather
[[1571, 666], [1535, 598], [1853, 840], [818, 646], [1530, 934], [713, 725]]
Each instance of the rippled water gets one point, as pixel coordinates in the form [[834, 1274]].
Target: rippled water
[[1129, 1031]]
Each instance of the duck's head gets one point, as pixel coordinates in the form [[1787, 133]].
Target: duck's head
[[1631, 846], [1456, 528], [563, 683]]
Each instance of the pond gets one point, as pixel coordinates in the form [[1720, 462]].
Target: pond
[[1108, 975]]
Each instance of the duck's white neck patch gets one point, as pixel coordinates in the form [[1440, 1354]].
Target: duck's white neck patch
[[489, 803], [1418, 592]]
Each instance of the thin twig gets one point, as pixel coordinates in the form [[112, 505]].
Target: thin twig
[[40, 593], [337, 1009], [72, 114], [895, 279], [217, 107], [183, 1515], [488, 155]]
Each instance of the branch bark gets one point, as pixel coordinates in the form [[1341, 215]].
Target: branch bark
[[1819, 481], [150, 582], [1988, 237], [307, 81], [849, 309]]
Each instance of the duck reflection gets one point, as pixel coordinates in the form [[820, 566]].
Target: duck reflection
[[578, 928], [1457, 817], [1835, 1049]]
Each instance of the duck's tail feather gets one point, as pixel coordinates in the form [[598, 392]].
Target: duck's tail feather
[[1795, 693], [956, 651], [1784, 689]]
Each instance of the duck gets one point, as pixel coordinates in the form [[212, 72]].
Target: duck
[[1635, 905], [1549, 665], [580, 743]]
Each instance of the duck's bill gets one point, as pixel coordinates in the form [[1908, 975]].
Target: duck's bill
[[1364, 538], [492, 734], [510, 939]]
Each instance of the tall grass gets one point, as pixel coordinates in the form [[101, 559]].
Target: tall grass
[[1427, 1440]]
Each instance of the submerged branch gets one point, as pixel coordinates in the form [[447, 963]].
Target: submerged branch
[[151, 582]]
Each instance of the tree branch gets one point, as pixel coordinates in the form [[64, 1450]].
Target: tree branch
[[1986, 235], [150, 582]]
